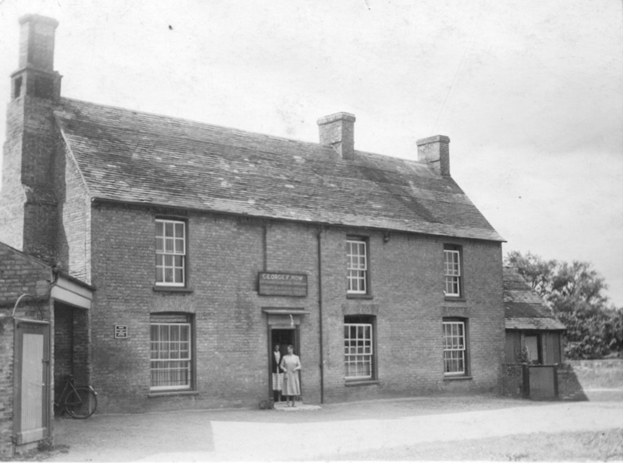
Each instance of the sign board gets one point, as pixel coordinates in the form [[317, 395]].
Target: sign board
[[282, 284], [121, 331]]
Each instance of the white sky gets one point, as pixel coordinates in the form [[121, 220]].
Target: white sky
[[529, 92]]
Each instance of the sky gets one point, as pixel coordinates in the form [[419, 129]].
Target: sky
[[529, 92]]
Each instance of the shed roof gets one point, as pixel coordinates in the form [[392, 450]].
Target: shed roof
[[138, 157], [523, 308]]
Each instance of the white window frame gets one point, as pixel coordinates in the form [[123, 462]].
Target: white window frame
[[454, 348], [170, 357], [452, 273], [358, 351], [357, 274], [175, 250]]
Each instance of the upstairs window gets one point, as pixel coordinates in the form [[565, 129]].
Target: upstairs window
[[170, 253], [356, 253], [452, 271]]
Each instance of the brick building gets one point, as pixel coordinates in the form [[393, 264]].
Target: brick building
[[205, 246]]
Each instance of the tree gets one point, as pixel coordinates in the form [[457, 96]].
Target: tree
[[574, 293]]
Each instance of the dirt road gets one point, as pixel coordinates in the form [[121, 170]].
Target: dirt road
[[243, 435]]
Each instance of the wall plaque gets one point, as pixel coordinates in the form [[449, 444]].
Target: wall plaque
[[282, 284], [121, 331]]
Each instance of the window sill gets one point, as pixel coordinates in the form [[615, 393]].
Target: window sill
[[173, 289], [452, 378], [165, 393], [358, 383], [458, 299], [359, 296]]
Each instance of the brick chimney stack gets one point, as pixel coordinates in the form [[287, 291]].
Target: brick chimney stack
[[338, 130], [435, 151], [28, 201]]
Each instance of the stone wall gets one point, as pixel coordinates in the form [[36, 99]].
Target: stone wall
[[594, 380]]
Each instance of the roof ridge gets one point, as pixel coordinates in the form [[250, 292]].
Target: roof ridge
[[363, 153], [194, 122]]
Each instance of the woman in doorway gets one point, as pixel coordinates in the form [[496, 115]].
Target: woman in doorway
[[277, 374], [291, 365]]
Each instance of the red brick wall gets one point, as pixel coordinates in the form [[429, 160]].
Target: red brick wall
[[225, 255]]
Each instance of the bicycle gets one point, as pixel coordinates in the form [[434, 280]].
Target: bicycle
[[78, 402]]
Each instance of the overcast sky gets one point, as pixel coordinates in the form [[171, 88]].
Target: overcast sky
[[529, 92]]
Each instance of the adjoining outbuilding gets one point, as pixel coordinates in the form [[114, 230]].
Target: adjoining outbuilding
[[534, 341], [32, 293]]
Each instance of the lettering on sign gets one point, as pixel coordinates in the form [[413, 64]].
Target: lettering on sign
[[121, 331], [282, 284]]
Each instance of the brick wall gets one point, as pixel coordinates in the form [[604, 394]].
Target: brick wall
[[19, 274], [63, 343], [512, 380], [27, 199], [74, 220], [225, 255], [6, 383]]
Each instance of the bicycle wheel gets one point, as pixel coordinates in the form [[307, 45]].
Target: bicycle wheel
[[81, 402]]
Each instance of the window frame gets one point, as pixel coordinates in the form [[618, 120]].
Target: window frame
[[369, 355], [463, 349], [162, 252], [539, 347], [365, 276], [177, 320], [456, 271]]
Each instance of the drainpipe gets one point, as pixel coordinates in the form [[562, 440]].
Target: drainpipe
[[320, 314]]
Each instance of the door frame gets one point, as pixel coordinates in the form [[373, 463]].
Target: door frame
[[282, 318], [24, 327]]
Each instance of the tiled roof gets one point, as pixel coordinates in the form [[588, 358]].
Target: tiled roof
[[138, 157], [523, 308]]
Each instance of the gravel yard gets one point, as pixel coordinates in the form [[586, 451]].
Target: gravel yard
[[473, 428]]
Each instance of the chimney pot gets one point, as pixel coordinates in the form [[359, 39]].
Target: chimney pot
[[36, 75], [37, 42], [435, 151], [338, 130]]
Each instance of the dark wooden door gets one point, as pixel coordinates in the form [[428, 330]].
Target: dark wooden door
[[543, 382]]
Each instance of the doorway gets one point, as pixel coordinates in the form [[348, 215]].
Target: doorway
[[284, 337], [281, 337]]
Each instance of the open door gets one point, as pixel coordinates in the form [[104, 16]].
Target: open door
[[32, 390]]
